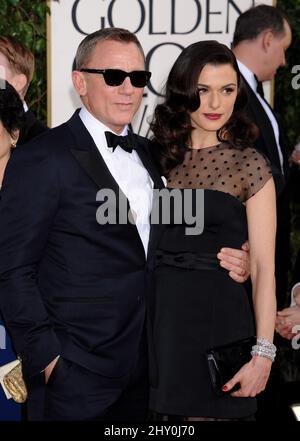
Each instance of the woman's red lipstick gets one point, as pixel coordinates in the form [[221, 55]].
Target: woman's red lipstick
[[213, 116]]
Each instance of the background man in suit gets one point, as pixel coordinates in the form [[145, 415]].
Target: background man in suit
[[73, 291], [261, 37], [17, 64]]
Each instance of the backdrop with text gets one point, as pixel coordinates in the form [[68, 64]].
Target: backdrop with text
[[164, 28]]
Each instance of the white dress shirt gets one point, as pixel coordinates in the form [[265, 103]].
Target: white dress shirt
[[128, 171], [249, 77]]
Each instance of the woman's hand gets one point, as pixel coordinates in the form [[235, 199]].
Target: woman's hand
[[253, 377]]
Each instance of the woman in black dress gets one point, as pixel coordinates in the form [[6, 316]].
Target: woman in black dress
[[203, 141]]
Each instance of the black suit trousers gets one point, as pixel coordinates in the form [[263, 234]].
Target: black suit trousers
[[73, 393]]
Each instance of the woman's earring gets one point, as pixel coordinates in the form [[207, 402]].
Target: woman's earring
[[13, 144]]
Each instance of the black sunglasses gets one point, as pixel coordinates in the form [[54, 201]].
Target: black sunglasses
[[115, 77]]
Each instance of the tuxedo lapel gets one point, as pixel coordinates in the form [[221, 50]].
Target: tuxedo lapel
[[95, 167], [89, 157], [282, 142], [261, 119]]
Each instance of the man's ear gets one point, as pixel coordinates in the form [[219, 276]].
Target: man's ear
[[267, 39], [79, 82], [19, 82]]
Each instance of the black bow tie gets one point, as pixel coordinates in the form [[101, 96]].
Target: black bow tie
[[114, 141], [259, 87]]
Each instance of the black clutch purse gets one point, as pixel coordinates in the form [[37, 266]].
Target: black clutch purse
[[225, 361]]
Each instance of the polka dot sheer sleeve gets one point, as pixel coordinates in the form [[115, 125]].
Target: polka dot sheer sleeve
[[242, 173]]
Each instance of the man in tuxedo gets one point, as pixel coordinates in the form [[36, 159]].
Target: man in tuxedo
[[17, 65], [73, 288], [261, 37]]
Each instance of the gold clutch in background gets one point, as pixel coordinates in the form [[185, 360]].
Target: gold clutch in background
[[14, 383]]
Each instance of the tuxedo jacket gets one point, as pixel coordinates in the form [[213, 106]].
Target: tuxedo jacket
[[69, 285], [32, 127], [266, 143]]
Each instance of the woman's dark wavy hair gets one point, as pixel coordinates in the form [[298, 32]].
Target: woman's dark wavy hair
[[11, 108], [171, 124]]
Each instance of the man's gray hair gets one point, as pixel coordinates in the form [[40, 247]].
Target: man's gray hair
[[87, 45]]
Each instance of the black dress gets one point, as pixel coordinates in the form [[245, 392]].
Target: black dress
[[197, 305]]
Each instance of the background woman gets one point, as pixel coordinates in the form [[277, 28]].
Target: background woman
[[11, 121]]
